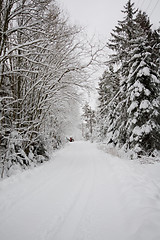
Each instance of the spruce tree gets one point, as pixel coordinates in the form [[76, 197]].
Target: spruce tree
[[121, 36], [142, 103], [89, 121], [133, 114], [108, 87], [120, 44]]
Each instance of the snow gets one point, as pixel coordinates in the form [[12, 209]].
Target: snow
[[136, 90], [132, 106], [145, 104], [145, 71], [146, 128], [83, 193], [155, 79]]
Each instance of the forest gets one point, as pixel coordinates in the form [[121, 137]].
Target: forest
[[128, 112], [46, 64]]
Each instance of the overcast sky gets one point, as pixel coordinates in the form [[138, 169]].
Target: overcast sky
[[101, 16]]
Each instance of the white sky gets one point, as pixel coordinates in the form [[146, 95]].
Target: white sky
[[101, 16]]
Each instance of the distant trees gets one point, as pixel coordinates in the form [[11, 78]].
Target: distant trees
[[108, 88], [42, 65], [88, 122], [130, 113]]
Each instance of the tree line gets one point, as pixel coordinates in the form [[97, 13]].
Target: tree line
[[42, 66], [129, 90]]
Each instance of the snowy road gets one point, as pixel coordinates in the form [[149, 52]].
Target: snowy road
[[82, 194]]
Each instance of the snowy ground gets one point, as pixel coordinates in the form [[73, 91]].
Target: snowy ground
[[82, 194]]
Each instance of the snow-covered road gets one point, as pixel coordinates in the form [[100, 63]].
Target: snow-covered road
[[82, 194]]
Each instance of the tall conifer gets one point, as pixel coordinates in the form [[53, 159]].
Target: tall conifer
[[133, 114]]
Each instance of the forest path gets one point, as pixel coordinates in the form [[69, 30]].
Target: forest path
[[81, 194]]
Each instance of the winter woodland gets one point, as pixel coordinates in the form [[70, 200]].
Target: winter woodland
[[43, 70], [45, 66], [129, 90]]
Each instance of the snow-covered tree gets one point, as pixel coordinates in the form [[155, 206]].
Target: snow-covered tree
[[133, 113], [143, 126], [122, 35], [42, 64], [108, 88], [88, 122]]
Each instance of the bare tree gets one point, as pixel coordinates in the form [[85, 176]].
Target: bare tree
[[43, 64]]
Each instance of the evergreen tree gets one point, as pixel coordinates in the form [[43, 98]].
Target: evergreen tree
[[121, 36], [89, 121], [133, 114], [143, 106], [108, 88], [120, 44], [142, 99]]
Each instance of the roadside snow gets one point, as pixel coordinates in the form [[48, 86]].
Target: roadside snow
[[82, 194]]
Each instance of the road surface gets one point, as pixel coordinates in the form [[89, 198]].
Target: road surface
[[81, 194]]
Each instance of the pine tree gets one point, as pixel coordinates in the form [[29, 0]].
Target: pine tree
[[120, 44], [108, 88], [89, 121], [121, 36], [143, 106], [133, 115]]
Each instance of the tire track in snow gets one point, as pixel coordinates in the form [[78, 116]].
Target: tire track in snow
[[10, 201], [38, 198], [69, 222], [85, 194], [140, 198], [103, 213], [48, 188]]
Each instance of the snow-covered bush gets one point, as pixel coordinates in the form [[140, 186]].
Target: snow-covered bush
[[13, 156], [17, 158]]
